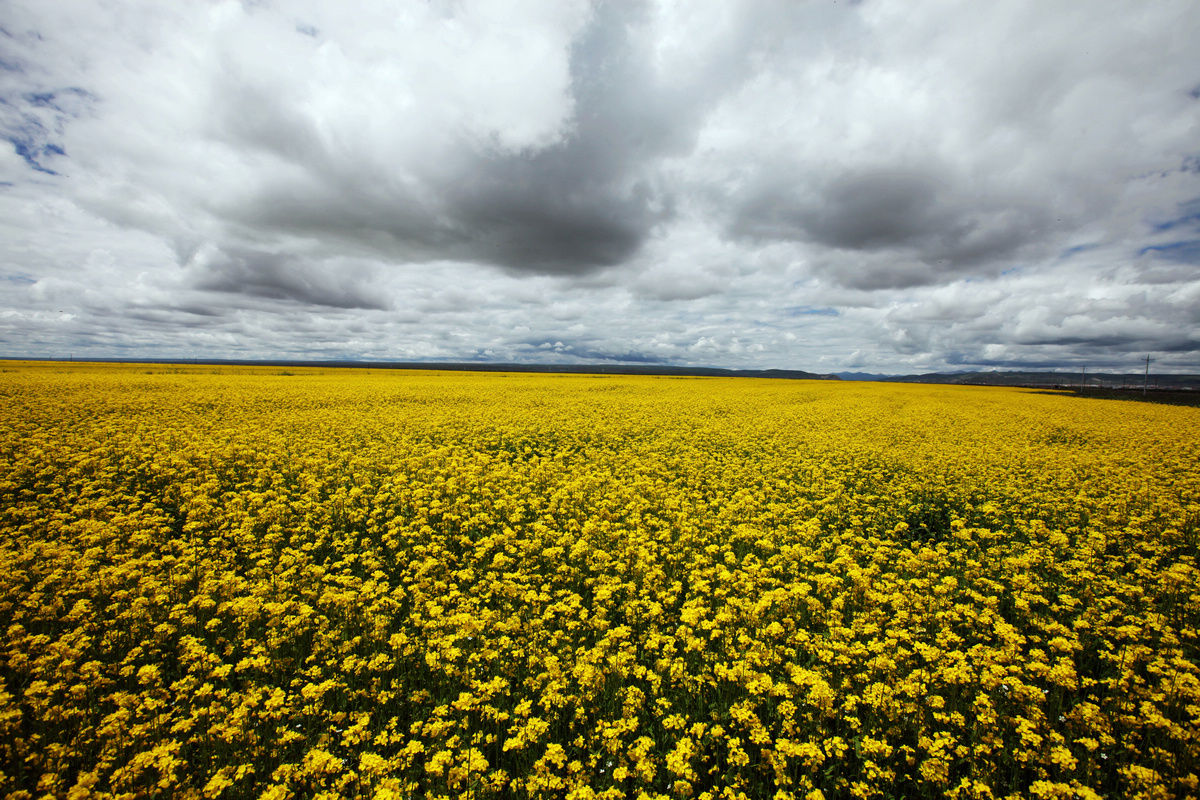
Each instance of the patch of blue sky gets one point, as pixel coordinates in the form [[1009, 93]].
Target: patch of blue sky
[[1193, 219], [31, 139], [58, 99], [1183, 252], [1189, 216], [31, 151], [32, 121], [1070, 251], [801, 311]]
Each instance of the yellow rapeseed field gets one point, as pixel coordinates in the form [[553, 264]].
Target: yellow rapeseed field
[[249, 583]]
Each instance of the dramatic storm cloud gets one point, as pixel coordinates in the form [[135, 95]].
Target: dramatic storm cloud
[[874, 186]]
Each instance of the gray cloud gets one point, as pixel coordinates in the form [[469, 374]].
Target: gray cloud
[[927, 231], [277, 277], [585, 201]]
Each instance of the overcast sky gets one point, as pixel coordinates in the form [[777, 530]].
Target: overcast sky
[[881, 186]]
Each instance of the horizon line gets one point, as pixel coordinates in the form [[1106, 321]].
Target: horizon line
[[641, 367]]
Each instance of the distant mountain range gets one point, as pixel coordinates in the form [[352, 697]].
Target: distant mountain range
[[864, 376], [1062, 380], [467, 366], [600, 369]]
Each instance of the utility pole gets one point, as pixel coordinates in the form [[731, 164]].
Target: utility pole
[[1083, 379], [1146, 380]]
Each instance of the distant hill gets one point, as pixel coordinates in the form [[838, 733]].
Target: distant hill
[[864, 376], [475, 366], [1054, 380], [613, 369], [1047, 380]]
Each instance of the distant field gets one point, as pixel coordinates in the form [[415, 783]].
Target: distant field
[[1181, 398], [265, 582]]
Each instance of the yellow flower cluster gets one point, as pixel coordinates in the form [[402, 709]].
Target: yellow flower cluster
[[225, 583]]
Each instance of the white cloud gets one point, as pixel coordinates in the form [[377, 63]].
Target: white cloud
[[768, 184]]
